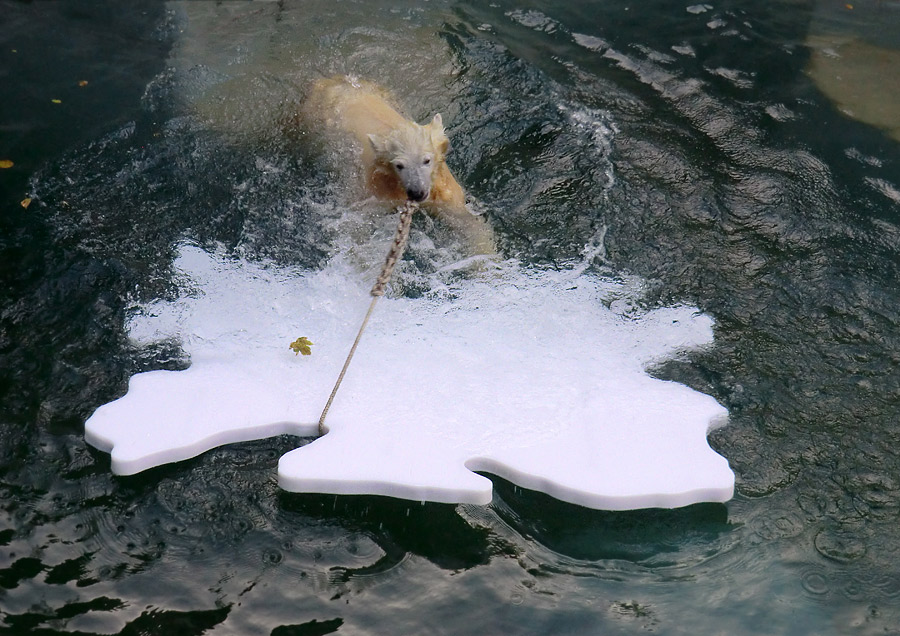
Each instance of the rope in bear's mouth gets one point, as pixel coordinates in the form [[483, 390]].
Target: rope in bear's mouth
[[396, 252]]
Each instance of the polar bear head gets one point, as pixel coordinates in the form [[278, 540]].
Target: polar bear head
[[413, 153]]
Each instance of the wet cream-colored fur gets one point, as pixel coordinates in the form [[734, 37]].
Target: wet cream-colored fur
[[402, 160]]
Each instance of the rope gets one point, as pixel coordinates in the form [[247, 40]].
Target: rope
[[397, 247]]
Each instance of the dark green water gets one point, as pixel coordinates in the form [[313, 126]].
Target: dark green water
[[684, 145]]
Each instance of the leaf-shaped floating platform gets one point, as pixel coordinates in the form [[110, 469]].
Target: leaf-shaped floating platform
[[533, 376]]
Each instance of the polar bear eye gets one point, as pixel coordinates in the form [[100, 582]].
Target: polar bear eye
[[427, 161], [399, 167]]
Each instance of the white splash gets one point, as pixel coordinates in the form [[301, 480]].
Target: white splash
[[535, 376]]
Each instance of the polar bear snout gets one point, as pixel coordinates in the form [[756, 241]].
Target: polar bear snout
[[416, 195], [415, 177]]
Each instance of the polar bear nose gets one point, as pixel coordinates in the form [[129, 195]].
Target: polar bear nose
[[416, 194]]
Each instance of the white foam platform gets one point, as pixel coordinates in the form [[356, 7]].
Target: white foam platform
[[522, 374]]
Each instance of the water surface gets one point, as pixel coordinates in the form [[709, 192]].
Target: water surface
[[701, 150]]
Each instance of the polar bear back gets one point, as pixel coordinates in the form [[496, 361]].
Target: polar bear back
[[355, 106]]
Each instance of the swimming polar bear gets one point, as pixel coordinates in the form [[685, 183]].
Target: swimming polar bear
[[402, 160]]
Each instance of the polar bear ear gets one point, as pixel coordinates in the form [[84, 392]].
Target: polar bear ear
[[438, 137], [379, 144]]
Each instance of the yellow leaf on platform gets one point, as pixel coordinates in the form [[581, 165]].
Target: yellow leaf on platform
[[301, 345], [6, 163]]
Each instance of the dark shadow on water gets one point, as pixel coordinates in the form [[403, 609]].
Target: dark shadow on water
[[431, 530], [312, 628], [149, 622], [594, 535]]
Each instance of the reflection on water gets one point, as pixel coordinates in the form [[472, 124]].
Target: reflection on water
[[683, 145], [855, 50]]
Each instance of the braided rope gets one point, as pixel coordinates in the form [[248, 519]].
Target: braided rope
[[401, 236]]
